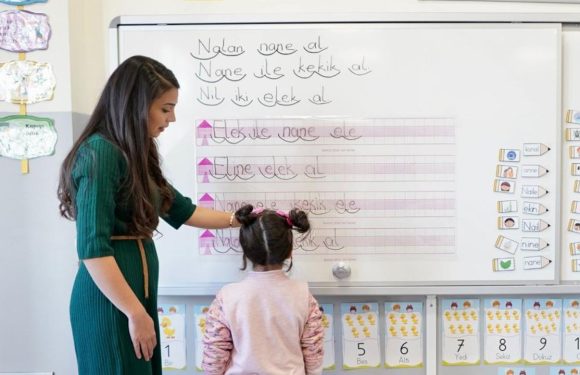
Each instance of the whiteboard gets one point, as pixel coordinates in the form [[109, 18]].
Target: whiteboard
[[405, 124]]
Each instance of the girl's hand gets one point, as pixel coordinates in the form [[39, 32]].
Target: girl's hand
[[142, 333]]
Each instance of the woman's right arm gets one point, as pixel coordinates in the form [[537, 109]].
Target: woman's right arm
[[107, 276]]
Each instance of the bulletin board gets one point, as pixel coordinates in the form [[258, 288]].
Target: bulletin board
[[424, 153]]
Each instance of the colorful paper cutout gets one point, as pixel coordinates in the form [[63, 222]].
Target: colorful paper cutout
[[23, 31], [26, 82], [26, 137]]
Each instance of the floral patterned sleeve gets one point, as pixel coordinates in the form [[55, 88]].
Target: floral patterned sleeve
[[313, 339], [217, 341]]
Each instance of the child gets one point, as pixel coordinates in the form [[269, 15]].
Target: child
[[267, 323]]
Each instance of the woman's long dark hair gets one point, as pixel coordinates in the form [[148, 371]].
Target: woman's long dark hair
[[122, 117]]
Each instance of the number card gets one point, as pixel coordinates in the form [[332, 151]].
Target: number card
[[502, 335], [571, 313], [328, 324], [172, 340], [360, 335], [516, 371], [542, 340], [199, 318], [404, 338], [460, 332]]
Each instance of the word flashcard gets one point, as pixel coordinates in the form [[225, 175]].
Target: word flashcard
[[172, 336], [534, 208], [503, 331], [542, 339], [533, 191], [535, 149], [360, 335], [531, 171], [460, 320], [404, 338], [571, 313], [533, 244], [199, 318], [328, 323]]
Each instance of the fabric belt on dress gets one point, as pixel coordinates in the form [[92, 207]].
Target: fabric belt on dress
[[139, 240]]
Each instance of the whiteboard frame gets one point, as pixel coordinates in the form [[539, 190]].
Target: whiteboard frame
[[339, 288]]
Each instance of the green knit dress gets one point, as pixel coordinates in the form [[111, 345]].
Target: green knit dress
[[100, 331]]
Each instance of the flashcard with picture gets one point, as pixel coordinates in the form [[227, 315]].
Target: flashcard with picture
[[360, 335], [404, 337], [329, 362], [542, 338], [172, 336], [571, 325], [564, 370], [199, 319], [460, 321], [502, 334], [516, 371]]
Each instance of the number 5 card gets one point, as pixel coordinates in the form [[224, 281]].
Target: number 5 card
[[360, 335], [404, 338], [460, 337], [502, 331], [542, 340]]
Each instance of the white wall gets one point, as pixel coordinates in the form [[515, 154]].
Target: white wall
[[37, 255]]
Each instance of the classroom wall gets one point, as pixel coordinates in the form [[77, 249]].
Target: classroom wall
[[37, 259], [37, 256]]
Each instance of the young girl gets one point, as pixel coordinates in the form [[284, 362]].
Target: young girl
[[267, 323]]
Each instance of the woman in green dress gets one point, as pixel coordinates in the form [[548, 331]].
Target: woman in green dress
[[111, 184]]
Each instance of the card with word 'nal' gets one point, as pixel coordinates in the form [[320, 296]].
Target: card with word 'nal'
[[542, 338], [360, 335], [460, 332], [172, 336], [503, 330], [404, 337]]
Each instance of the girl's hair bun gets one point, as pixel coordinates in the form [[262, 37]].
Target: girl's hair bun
[[299, 220], [244, 215]]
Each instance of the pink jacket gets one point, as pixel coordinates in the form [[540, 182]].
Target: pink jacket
[[266, 324]]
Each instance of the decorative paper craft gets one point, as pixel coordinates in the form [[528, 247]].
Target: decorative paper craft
[[23, 31], [329, 362], [502, 334], [460, 321], [26, 137], [360, 335], [571, 313], [172, 330], [22, 2], [542, 342], [26, 82], [404, 339]]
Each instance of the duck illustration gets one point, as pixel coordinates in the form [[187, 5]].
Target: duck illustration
[[168, 331]]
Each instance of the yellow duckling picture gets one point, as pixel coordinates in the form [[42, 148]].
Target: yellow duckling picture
[[168, 331]]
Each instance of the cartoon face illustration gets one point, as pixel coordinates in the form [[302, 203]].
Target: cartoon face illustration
[[536, 305], [453, 305], [508, 305], [509, 222], [409, 308], [505, 186], [549, 304], [353, 309], [508, 172]]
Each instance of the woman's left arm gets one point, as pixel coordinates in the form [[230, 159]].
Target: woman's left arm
[[210, 219]]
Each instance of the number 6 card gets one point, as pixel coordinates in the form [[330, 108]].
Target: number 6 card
[[502, 331], [360, 335], [542, 340], [460, 332], [404, 338]]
